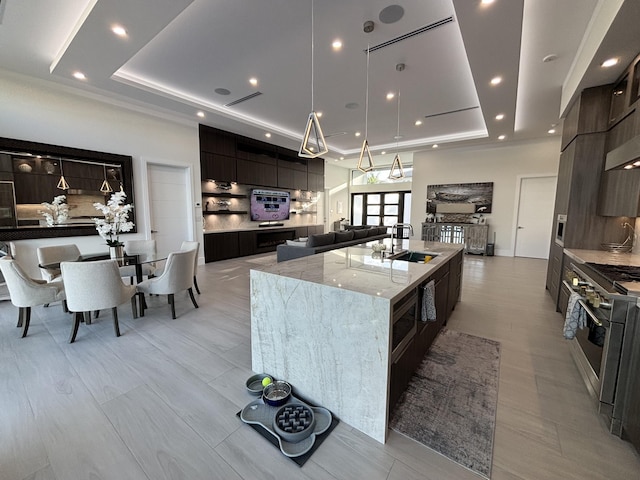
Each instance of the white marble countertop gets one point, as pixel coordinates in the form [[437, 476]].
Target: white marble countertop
[[261, 229], [357, 269]]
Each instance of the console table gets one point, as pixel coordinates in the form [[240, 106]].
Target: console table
[[473, 236]]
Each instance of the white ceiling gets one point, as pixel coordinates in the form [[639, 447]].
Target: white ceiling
[[178, 52]]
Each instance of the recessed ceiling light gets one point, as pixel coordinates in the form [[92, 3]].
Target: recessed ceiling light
[[268, 135], [502, 137], [79, 75], [435, 145], [496, 80], [636, 164], [486, 2], [500, 116], [551, 130], [418, 123], [390, 95], [119, 30], [628, 167], [610, 62], [383, 152], [357, 134], [341, 158], [253, 81], [200, 114], [319, 114], [337, 44]]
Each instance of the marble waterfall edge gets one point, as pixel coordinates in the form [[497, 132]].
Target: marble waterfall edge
[[331, 344]]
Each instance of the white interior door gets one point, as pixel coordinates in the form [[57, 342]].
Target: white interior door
[[169, 205], [535, 216]]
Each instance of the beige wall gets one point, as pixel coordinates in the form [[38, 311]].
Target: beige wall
[[502, 165], [44, 112]]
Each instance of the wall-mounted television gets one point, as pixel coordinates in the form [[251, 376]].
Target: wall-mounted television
[[269, 205]]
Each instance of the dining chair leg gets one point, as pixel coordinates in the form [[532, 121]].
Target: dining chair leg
[[134, 307], [96, 313], [116, 326], [26, 319], [173, 306], [142, 303], [87, 317], [20, 319], [193, 299], [195, 284], [76, 323], [65, 309]]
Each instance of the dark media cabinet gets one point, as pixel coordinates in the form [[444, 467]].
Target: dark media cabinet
[[225, 245]]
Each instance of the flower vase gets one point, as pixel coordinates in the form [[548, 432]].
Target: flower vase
[[116, 252]]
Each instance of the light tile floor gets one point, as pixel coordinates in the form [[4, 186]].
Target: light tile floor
[[160, 401]]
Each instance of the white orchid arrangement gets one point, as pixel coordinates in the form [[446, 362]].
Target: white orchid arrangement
[[56, 212], [116, 218]]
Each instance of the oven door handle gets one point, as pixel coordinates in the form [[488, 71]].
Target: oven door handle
[[591, 315]]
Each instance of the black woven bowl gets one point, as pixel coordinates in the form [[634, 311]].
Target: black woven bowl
[[276, 393], [294, 422]]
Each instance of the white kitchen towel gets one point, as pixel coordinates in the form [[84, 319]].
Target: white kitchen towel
[[428, 302], [575, 318]]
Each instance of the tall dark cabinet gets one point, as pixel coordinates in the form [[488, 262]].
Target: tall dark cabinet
[[580, 173]]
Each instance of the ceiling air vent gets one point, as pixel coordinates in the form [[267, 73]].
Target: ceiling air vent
[[426, 28], [451, 111], [243, 99]]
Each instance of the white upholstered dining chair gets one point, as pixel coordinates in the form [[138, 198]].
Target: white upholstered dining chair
[[193, 246], [56, 254], [177, 276], [146, 250], [27, 292], [94, 286]]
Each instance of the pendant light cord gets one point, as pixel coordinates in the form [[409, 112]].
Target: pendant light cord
[[398, 130], [312, 51], [366, 101]]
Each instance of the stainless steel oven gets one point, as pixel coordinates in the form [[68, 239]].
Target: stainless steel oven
[[602, 351]]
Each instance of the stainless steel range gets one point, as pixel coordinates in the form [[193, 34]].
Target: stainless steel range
[[603, 350]]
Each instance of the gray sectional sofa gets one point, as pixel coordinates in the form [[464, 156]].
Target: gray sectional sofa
[[323, 242]]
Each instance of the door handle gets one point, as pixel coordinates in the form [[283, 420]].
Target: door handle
[[154, 231], [520, 228]]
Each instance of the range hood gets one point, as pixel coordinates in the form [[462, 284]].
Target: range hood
[[625, 157]]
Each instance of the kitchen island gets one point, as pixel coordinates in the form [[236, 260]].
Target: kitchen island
[[344, 327]]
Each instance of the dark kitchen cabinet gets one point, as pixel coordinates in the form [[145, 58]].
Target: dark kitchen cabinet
[[631, 415], [292, 172], [30, 188], [217, 167], [221, 246], [257, 173], [217, 141], [455, 282], [620, 193], [554, 272]]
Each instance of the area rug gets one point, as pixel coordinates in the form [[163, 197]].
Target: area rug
[[450, 403]]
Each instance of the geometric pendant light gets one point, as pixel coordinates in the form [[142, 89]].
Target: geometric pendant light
[[397, 172], [365, 161], [62, 183], [313, 143], [105, 188]]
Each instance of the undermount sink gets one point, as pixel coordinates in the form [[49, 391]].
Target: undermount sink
[[415, 257]]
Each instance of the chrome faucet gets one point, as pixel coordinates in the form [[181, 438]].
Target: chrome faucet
[[395, 229]]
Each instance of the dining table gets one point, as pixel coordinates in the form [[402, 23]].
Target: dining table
[[136, 260]]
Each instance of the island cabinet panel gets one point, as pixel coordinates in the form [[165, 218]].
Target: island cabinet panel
[[455, 283], [220, 246], [257, 173], [217, 167]]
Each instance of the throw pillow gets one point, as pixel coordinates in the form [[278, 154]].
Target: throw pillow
[[297, 243], [321, 239], [372, 232], [344, 236], [358, 234]]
